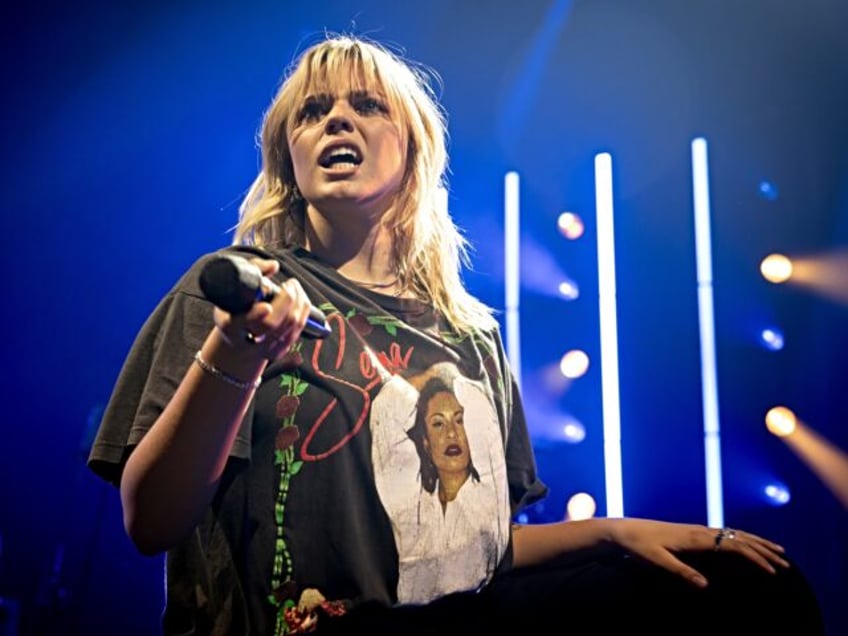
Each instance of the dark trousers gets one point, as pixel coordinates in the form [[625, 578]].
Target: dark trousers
[[609, 593]]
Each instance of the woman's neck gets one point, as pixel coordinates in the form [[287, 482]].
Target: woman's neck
[[449, 485], [361, 252]]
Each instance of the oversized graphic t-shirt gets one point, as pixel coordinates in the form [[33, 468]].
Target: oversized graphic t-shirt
[[336, 492]]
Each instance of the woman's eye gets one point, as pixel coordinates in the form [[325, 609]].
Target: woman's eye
[[370, 105], [314, 108], [310, 112]]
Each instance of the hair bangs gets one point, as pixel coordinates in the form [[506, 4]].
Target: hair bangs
[[341, 66]]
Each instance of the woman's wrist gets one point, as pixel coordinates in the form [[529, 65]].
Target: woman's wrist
[[223, 376], [242, 362]]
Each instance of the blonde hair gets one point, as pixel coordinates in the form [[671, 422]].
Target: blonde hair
[[428, 248]]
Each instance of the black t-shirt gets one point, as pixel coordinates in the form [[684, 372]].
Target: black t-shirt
[[326, 490]]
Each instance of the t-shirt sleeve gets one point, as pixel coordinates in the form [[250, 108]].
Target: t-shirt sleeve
[[525, 486], [153, 369]]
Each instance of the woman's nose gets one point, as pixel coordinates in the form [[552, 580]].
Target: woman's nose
[[339, 119]]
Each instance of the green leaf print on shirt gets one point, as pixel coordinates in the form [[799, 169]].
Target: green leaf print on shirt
[[292, 388]]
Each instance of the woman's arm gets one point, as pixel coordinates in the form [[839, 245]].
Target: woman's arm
[[534, 544], [654, 541], [393, 454], [171, 476]]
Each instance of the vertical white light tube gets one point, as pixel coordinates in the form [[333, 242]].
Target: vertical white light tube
[[609, 335], [512, 272], [709, 382]]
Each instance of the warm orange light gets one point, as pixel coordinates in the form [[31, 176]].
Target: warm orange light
[[776, 268], [781, 421], [827, 461], [574, 364], [570, 225], [580, 506], [825, 274]]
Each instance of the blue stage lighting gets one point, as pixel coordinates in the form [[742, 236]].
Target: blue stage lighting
[[573, 430], [569, 290], [772, 338], [768, 190], [777, 494], [706, 322]]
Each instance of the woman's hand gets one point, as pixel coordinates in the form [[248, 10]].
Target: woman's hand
[[269, 329], [660, 541]]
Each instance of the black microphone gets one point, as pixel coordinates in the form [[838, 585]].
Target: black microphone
[[234, 283]]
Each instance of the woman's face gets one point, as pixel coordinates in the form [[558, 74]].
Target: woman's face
[[346, 148], [445, 438]]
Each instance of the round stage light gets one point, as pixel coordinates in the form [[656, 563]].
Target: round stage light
[[573, 431], [570, 225], [574, 364], [777, 494], [776, 268], [581, 506], [781, 421], [772, 339], [768, 190], [568, 289]]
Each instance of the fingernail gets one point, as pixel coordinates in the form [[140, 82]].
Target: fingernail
[[699, 580]]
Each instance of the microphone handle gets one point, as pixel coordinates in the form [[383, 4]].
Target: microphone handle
[[233, 283], [316, 323]]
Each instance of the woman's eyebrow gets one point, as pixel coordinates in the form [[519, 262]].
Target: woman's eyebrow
[[317, 97], [359, 93]]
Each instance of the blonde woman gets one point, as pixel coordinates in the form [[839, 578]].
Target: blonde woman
[[243, 448]]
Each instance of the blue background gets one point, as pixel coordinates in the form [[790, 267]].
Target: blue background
[[128, 140]]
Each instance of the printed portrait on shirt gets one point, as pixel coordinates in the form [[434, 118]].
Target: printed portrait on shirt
[[439, 467]]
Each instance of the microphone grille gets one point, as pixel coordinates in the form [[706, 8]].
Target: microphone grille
[[231, 283]]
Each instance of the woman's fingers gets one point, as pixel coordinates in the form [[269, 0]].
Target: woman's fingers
[[661, 542], [292, 315], [769, 550], [753, 538], [689, 573], [268, 266], [277, 324], [763, 552], [272, 326]]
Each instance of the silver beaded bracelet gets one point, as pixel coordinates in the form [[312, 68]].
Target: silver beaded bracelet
[[211, 369]]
